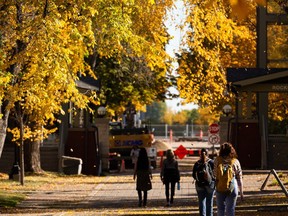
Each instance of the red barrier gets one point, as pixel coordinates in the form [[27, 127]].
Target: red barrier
[[160, 153], [190, 152]]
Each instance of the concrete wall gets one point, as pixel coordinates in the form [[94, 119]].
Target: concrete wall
[[103, 131], [223, 133]]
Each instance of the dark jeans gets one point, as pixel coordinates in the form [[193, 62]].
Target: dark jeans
[[172, 191], [144, 198]]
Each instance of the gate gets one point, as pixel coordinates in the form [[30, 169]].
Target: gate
[[247, 142], [83, 143]]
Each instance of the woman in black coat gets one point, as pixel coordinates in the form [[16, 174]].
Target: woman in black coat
[[144, 175]]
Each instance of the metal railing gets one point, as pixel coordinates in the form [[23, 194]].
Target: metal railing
[[188, 130]]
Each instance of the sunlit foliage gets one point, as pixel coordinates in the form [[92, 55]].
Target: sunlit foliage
[[130, 58], [215, 41], [46, 45], [43, 45]]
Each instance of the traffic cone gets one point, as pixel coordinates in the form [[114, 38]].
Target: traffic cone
[[122, 168]]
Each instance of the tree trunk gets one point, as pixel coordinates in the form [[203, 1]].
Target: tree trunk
[[32, 157], [21, 150], [3, 128]]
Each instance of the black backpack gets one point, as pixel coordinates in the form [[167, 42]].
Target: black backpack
[[204, 174]]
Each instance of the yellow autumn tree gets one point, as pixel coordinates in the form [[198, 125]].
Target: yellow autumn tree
[[43, 45], [215, 41], [168, 116], [46, 45], [205, 117], [180, 117], [277, 49], [134, 72]]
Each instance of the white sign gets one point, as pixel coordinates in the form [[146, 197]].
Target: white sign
[[152, 152], [214, 139]]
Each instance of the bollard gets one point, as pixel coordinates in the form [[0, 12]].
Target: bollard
[[201, 135], [122, 168]]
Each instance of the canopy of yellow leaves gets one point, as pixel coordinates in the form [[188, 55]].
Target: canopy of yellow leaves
[[44, 46], [215, 41], [132, 63]]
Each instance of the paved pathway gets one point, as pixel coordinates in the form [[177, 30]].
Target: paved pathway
[[116, 195]]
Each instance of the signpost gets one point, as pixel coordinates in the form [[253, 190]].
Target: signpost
[[213, 137]]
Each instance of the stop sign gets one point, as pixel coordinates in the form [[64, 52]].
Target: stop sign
[[214, 128]]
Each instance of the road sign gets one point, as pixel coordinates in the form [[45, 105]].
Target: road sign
[[214, 139], [181, 151], [213, 128]]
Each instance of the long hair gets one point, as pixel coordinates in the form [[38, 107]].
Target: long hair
[[204, 154], [143, 161], [226, 149], [169, 155]]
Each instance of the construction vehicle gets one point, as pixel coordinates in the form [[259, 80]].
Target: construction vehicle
[[121, 141]]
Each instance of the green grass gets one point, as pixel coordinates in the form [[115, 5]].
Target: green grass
[[283, 177], [10, 199], [12, 192]]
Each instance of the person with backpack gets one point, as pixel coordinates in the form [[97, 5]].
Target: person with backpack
[[205, 184], [228, 173], [170, 175]]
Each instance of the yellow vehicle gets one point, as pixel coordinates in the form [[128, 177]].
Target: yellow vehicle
[[121, 141]]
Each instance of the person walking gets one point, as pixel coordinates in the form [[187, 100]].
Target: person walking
[[205, 183], [170, 175], [228, 173], [142, 172]]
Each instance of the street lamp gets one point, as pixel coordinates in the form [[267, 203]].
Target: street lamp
[[101, 111], [227, 109]]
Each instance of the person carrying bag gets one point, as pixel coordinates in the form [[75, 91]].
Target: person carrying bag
[[205, 183]]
